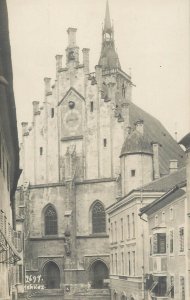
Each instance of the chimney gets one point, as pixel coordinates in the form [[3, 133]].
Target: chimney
[[156, 169], [140, 126], [24, 128], [36, 110], [58, 58], [98, 71], [47, 82], [71, 37], [85, 52], [173, 165]]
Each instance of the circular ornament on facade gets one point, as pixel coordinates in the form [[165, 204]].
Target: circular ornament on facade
[[71, 104], [72, 119]]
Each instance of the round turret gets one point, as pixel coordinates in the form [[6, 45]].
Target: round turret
[[136, 159]]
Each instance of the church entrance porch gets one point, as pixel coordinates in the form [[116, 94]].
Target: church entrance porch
[[98, 275]]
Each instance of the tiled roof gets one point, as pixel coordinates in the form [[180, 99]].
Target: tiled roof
[[156, 132], [166, 199], [167, 182], [136, 142], [185, 140]]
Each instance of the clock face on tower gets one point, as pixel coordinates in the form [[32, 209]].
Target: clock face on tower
[[72, 120]]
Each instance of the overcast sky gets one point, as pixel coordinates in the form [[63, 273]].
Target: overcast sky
[[152, 39]]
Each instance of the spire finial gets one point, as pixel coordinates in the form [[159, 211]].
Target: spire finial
[[107, 21]]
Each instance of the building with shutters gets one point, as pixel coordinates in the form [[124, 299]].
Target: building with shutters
[[76, 162], [168, 274], [10, 239]]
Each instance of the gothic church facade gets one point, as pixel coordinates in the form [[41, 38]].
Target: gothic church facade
[[73, 168]]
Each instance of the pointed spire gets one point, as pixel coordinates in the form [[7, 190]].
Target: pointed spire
[[108, 57], [107, 21]]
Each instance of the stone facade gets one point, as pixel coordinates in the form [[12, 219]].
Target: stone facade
[[10, 239], [76, 163]]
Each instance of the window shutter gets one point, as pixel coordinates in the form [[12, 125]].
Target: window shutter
[[155, 243]]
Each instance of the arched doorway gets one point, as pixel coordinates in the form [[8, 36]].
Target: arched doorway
[[98, 272], [51, 276]]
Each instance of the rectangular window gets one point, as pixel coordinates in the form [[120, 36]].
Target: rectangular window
[[134, 263], [52, 112], [133, 173], [182, 287], [159, 243], [129, 264], [171, 241], [122, 229], [115, 263], [41, 150], [181, 239], [122, 263], [172, 287], [105, 143], [133, 224], [128, 227], [20, 278], [111, 233], [150, 246], [112, 263], [91, 106], [115, 231]]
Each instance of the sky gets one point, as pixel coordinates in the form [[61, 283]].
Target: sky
[[152, 40]]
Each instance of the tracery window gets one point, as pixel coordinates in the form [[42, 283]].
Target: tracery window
[[98, 218], [50, 221]]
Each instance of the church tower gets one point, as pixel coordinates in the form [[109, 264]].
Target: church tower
[[108, 57]]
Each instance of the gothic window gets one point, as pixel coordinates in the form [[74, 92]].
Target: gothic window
[[50, 221], [98, 218]]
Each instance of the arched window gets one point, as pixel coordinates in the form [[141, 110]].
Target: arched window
[[98, 218], [98, 273], [51, 276], [50, 221], [115, 296]]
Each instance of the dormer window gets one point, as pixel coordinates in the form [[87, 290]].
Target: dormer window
[[133, 173]]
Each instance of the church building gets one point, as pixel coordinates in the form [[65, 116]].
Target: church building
[[76, 160]]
